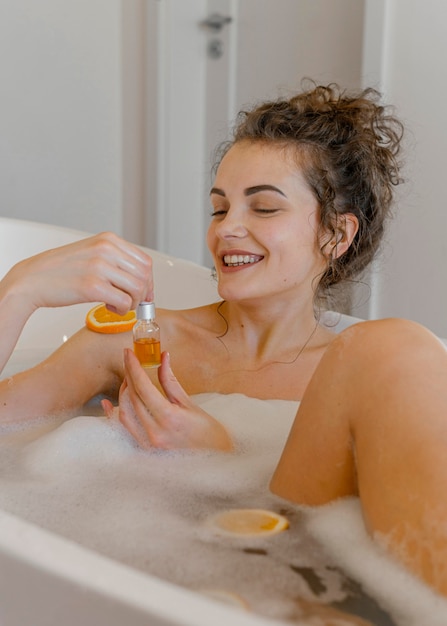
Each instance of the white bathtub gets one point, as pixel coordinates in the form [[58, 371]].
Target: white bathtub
[[179, 283], [46, 580]]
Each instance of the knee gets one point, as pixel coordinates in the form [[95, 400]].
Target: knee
[[388, 338], [373, 353]]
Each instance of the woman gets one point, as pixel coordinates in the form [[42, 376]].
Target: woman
[[299, 202], [100, 268], [372, 419]]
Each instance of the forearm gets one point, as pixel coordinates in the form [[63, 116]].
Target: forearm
[[14, 313]]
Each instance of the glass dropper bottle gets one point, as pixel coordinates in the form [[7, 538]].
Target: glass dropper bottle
[[146, 336]]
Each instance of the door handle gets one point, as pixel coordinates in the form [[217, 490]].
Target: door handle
[[215, 22]]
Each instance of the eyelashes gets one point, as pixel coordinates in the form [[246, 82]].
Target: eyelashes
[[260, 211]]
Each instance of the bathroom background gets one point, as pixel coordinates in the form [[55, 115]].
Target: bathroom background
[[110, 109]]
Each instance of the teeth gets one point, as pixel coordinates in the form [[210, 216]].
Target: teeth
[[239, 259]]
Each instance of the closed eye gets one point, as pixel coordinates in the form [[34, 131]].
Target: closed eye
[[259, 211], [266, 211]]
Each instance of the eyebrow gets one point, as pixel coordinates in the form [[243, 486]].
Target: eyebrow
[[250, 190]]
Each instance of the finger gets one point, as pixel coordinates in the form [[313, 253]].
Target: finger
[[132, 260], [118, 289], [130, 422], [137, 381], [122, 293], [126, 290], [172, 388], [108, 408], [119, 293], [143, 392], [122, 266], [132, 250], [109, 245]]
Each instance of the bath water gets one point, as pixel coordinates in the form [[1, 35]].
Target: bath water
[[85, 479]]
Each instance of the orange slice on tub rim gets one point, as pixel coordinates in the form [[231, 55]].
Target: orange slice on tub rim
[[101, 320], [248, 522]]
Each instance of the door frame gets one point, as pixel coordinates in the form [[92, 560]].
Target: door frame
[[179, 202], [179, 189]]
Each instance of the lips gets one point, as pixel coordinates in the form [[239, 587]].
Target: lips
[[233, 260]]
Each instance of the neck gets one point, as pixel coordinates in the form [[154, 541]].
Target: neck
[[271, 333]]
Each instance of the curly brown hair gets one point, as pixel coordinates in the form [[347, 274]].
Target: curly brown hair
[[347, 147]]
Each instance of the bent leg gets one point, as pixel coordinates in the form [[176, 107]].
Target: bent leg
[[373, 421], [400, 438]]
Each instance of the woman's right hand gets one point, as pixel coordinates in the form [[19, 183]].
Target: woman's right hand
[[101, 268]]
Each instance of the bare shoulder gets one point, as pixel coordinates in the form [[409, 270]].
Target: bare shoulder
[[173, 322], [195, 315], [383, 338]]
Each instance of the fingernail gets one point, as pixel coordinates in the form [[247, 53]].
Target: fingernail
[[167, 357], [106, 408]]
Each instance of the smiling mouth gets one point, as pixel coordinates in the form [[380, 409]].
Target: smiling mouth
[[232, 260]]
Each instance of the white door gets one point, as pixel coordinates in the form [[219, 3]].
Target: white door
[[116, 133], [257, 49]]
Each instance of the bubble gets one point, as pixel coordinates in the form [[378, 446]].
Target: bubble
[[86, 479]]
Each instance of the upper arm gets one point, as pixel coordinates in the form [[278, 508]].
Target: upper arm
[[87, 364]]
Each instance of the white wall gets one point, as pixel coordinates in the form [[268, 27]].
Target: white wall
[[101, 125], [75, 76], [411, 280], [61, 112], [282, 41]]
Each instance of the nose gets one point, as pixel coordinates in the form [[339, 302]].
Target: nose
[[231, 224]]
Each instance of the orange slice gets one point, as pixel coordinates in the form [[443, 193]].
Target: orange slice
[[101, 320], [249, 522], [227, 597]]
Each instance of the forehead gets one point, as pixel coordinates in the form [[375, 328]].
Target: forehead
[[252, 160], [250, 164]]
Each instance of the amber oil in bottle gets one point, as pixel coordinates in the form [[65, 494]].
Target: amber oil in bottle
[[146, 336]]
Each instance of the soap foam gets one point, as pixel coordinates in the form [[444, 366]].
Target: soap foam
[[87, 480]]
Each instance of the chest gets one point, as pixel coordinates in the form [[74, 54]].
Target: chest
[[208, 370], [205, 362]]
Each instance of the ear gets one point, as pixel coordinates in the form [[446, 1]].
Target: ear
[[346, 230]]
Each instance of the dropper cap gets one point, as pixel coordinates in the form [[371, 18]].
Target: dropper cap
[[146, 311]]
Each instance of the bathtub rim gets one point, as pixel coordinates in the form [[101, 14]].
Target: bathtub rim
[[112, 581]]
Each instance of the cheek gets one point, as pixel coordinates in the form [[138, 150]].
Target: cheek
[[300, 252], [210, 237]]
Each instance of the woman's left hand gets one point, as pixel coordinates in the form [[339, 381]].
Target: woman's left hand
[[169, 422]]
